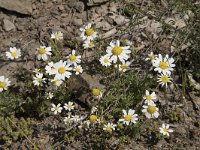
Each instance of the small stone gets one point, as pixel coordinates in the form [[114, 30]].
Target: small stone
[[19, 6], [8, 25], [77, 22], [61, 8], [79, 6]]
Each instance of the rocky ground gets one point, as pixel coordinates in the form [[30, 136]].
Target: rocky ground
[[28, 24]]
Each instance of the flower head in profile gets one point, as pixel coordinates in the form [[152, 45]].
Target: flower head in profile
[[129, 117], [150, 111], [117, 52], [57, 35], [43, 52], [164, 79], [149, 98], [96, 93], [56, 82], [50, 68], [87, 32], [36, 71], [14, 53], [76, 118], [56, 108], [151, 57], [84, 125], [62, 70], [38, 80], [124, 66], [109, 127], [88, 44], [69, 106], [165, 130], [78, 69], [105, 60], [163, 65], [4, 83], [74, 59]]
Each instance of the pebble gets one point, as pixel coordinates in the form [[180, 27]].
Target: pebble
[[8, 25]]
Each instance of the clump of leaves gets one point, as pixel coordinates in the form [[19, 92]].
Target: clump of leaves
[[13, 129]]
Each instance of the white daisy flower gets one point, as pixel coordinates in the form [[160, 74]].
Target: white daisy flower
[[87, 32], [69, 106], [56, 109], [76, 118], [43, 52], [163, 65], [165, 129], [50, 69], [14, 53], [39, 80], [57, 35], [62, 70], [109, 127], [56, 82], [105, 60], [88, 44], [49, 95], [129, 117], [116, 52], [96, 93], [164, 79], [68, 120], [73, 59], [150, 111], [124, 66], [4, 83], [78, 69], [151, 57], [149, 98]]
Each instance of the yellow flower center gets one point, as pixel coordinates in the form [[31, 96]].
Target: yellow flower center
[[56, 108], [72, 57], [148, 97], [117, 50], [127, 118], [61, 70], [77, 69], [13, 54], [165, 130], [69, 106], [151, 109], [105, 60], [39, 79], [41, 51], [91, 44], [2, 84], [108, 129], [95, 92], [57, 36], [93, 118], [163, 65], [151, 57], [164, 79], [89, 31], [123, 66], [68, 120]]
